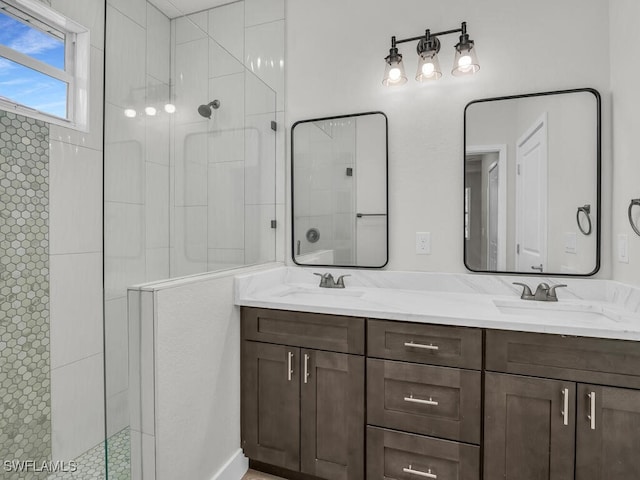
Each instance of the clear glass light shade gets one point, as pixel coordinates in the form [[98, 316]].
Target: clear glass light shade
[[394, 72], [428, 67], [465, 61]]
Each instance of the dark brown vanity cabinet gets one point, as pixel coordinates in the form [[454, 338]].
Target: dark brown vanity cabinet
[[567, 427], [438, 398], [420, 405], [528, 435], [303, 408]]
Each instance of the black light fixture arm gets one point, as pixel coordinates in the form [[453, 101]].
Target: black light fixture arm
[[462, 30]]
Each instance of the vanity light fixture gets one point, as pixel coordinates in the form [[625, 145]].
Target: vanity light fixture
[[394, 70], [465, 61]]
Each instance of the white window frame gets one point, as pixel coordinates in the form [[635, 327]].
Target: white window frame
[[76, 69]]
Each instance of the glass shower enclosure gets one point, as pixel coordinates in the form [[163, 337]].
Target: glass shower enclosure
[[189, 172]]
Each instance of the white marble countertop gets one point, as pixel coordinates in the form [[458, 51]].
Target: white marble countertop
[[587, 307]]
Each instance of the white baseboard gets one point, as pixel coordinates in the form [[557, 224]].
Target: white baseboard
[[234, 469]]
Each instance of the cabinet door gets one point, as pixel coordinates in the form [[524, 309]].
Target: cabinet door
[[271, 404], [608, 433], [527, 434], [332, 415]]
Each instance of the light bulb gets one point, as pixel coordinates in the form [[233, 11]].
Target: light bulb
[[464, 62], [130, 113], [428, 69], [395, 74], [170, 108], [151, 111]]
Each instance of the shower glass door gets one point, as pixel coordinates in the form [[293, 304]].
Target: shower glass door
[[190, 176]]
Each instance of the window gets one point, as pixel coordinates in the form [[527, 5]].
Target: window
[[44, 64]]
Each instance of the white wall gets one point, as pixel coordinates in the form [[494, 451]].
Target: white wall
[[185, 339], [335, 57], [75, 248], [626, 125]]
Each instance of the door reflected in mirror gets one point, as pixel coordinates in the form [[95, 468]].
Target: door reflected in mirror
[[532, 183], [339, 191]]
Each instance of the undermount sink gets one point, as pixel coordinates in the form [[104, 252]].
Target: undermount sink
[[574, 311], [311, 292]]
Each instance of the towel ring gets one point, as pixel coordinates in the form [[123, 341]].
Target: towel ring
[[587, 213], [635, 202]]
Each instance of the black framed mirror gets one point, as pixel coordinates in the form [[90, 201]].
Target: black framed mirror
[[532, 174], [339, 204]]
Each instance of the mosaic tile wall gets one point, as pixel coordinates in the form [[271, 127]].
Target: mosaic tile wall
[[25, 399]]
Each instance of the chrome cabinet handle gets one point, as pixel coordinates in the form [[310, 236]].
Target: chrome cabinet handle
[[410, 398], [306, 368], [431, 346], [565, 406], [418, 473], [592, 408], [289, 365]]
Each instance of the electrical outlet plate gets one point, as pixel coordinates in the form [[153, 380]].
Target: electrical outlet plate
[[423, 243], [623, 248]]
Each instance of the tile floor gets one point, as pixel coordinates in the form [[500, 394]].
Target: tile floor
[[91, 463], [253, 475]]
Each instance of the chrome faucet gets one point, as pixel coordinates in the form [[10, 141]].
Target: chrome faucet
[[327, 280], [544, 293]]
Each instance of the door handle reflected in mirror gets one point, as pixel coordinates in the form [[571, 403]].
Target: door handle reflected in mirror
[[539, 267]]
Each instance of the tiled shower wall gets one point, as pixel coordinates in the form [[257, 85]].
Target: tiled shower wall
[[25, 393], [226, 168]]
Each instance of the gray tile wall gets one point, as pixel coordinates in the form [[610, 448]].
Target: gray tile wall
[[25, 399]]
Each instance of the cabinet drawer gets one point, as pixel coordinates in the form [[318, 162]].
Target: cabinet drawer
[[432, 344], [580, 359], [404, 456], [438, 401], [309, 330]]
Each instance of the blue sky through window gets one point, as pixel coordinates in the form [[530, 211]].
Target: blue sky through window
[[24, 85]]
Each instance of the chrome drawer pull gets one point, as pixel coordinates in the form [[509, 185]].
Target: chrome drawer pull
[[426, 474], [410, 398], [289, 365], [420, 345], [565, 406], [592, 416], [306, 368]]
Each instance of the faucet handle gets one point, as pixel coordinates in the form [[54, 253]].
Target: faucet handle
[[526, 291], [340, 281], [326, 279], [552, 292]]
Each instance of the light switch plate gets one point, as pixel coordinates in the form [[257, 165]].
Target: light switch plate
[[423, 243], [571, 242], [623, 248]]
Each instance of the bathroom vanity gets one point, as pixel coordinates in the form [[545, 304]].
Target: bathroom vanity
[[450, 395]]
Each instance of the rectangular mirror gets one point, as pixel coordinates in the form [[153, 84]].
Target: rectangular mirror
[[339, 191], [532, 184]]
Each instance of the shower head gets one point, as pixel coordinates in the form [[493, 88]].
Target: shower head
[[205, 110]]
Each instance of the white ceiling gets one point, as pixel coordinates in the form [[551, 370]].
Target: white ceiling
[[178, 8]]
